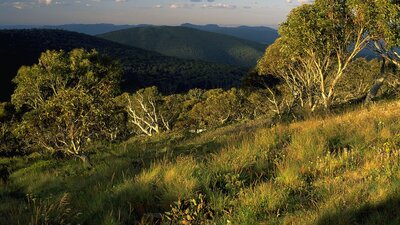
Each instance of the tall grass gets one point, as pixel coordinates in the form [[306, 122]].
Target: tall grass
[[342, 169]]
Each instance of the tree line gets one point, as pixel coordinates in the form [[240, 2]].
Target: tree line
[[69, 100]]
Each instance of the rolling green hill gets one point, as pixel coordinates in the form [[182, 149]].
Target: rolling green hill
[[189, 43], [142, 68], [258, 34]]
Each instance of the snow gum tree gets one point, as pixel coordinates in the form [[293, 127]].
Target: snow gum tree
[[68, 99]]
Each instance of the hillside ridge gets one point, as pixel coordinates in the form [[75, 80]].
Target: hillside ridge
[[142, 68], [190, 43]]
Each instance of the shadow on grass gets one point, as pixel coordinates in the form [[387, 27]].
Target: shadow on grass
[[111, 180], [386, 212], [90, 190]]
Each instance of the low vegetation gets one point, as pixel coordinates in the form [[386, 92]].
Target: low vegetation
[[321, 171]]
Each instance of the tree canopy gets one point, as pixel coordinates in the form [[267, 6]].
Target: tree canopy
[[318, 43], [385, 29], [68, 97]]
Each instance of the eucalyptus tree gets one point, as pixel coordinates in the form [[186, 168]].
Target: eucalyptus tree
[[150, 112], [301, 85], [385, 33], [219, 108], [69, 100], [385, 27], [317, 44]]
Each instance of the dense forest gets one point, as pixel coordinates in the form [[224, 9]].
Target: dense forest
[[311, 135], [260, 34], [190, 43], [90, 29], [141, 68]]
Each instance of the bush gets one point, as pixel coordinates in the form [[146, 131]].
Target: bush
[[190, 211]]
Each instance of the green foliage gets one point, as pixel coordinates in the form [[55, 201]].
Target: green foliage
[[385, 26], [190, 211], [149, 112], [360, 76], [7, 111], [69, 96], [339, 169], [218, 108], [141, 68], [173, 110], [324, 27], [188, 43], [50, 211], [58, 71], [229, 183], [10, 144], [318, 44]]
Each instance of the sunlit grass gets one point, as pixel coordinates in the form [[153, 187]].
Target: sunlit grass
[[342, 169]]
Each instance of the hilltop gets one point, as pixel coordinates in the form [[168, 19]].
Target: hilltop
[[260, 34], [142, 68], [91, 29], [189, 43]]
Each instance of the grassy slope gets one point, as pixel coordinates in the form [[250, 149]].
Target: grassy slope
[[142, 68], [339, 170], [188, 43]]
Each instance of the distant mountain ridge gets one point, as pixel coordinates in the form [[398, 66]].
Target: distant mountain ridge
[[260, 34], [190, 43], [142, 68], [90, 29]]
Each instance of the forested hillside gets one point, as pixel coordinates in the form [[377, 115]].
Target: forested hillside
[[188, 43], [141, 68], [260, 34], [91, 29]]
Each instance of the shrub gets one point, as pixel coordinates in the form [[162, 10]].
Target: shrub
[[190, 211]]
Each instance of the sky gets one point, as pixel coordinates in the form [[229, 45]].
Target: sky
[[158, 12]]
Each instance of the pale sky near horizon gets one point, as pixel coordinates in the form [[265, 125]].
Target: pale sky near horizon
[[159, 12]]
